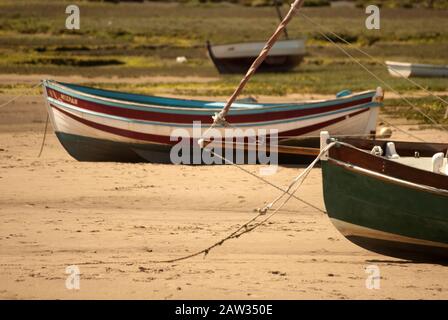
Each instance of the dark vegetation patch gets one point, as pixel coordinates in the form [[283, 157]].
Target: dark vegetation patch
[[144, 39], [73, 62]]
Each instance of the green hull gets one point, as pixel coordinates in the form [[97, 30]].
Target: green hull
[[386, 216]]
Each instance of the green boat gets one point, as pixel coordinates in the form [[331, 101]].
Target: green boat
[[392, 200]]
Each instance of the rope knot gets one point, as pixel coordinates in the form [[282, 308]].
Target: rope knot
[[377, 151], [379, 95], [218, 119]]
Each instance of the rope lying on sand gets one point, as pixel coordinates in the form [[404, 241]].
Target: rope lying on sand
[[219, 119], [252, 223]]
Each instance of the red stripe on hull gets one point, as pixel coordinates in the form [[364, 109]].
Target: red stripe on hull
[[166, 139], [205, 119]]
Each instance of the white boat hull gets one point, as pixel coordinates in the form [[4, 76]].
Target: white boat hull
[[253, 49], [406, 70]]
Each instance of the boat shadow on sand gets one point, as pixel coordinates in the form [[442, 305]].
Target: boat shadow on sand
[[407, 262]]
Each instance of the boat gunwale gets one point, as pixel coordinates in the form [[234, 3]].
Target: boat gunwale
[[309, 104], [403, 148], [388, 178], [355, 164]]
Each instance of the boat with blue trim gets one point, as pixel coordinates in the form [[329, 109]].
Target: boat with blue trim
[[103, 125]]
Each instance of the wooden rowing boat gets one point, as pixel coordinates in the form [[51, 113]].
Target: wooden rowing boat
[[285, 54], [405, 69], [394, 205], [102, 125], [238, 57]]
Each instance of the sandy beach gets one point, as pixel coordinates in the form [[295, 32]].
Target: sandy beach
[[111, 219]]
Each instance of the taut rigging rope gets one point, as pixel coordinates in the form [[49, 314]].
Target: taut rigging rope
[[374, 59], [373, 74]]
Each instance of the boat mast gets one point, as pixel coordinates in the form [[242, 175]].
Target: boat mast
[[219, 118]]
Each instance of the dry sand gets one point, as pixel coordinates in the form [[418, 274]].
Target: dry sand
[[111, 219]]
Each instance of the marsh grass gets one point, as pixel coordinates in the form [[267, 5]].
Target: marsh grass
[[430, 106], [144, 39]]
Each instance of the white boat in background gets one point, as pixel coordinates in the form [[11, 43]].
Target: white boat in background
[[405, 69], [238, 57]]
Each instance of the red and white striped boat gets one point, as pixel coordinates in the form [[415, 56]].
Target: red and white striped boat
[[102, 125]]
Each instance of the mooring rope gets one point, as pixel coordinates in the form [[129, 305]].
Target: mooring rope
[[20, 95], [219, 119], [46, 121], [45, 135], [265, 180], [251, 224]]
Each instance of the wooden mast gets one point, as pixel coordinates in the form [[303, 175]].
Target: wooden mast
[[219, 118]]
